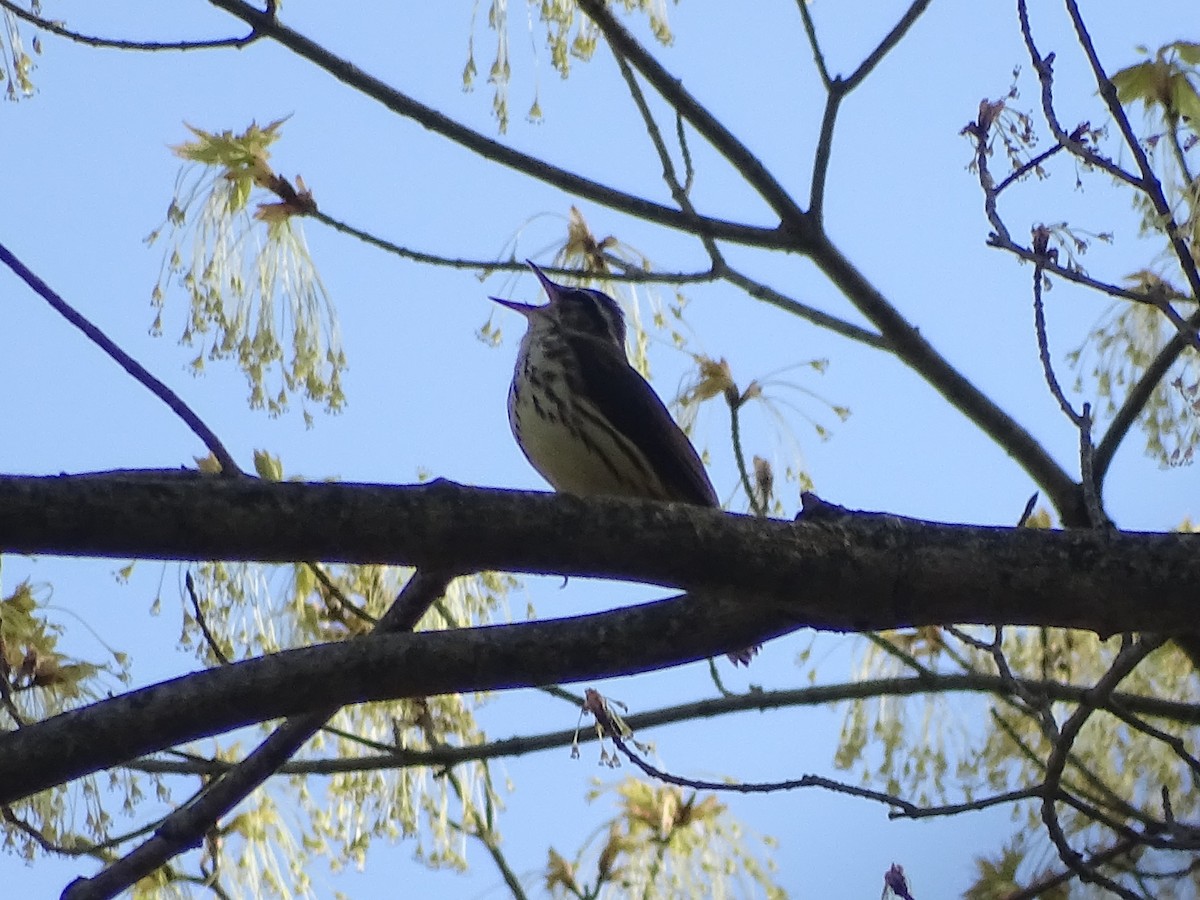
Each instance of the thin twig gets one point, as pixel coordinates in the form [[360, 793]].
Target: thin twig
[[1185, 714], [810, 31], [486, 834], [9, 815], [336, 592], [735, 430], [1034, 703], [743, 160], [1185, 171], [1026, 167], [1177, 745], [890, 40], [954, 809], [824, 153], [229, 468], [1078, 276], [1150, 184], [1126, 661], [485, 147], [626, 273], [672, 180], [767, 294], [1044, 67], [492, 845], [891, 649], [119, 44], [761, 787], [209, 637]]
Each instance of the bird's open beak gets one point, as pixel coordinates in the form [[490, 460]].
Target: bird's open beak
[[552, 291], [523, 308]]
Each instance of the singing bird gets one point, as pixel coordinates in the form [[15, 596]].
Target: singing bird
[[585, 418]]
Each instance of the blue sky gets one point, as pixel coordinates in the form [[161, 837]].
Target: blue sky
[[86, 173]]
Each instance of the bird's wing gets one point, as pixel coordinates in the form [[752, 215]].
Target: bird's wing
[[626, 399]]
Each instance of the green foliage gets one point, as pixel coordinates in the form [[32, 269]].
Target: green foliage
[[37, 681], [934, 750], [1166, 87], [998, 874], [1116, 354], [248, 610], [1167, 82], [569, 35], [16, 65], [254, 292], [663, 844]]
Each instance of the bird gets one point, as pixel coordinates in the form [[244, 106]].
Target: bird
[[585, 418]]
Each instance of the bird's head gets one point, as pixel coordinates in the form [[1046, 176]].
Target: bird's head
[[573, 309]]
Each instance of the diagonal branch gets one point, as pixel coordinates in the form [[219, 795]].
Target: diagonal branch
[[749, 166], [907, 343], [125, 361], [186, 827], [401, 104], [1149, 184]]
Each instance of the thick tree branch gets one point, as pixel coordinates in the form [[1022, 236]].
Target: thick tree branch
[[373, 668], [666, 633], [850, 572]]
